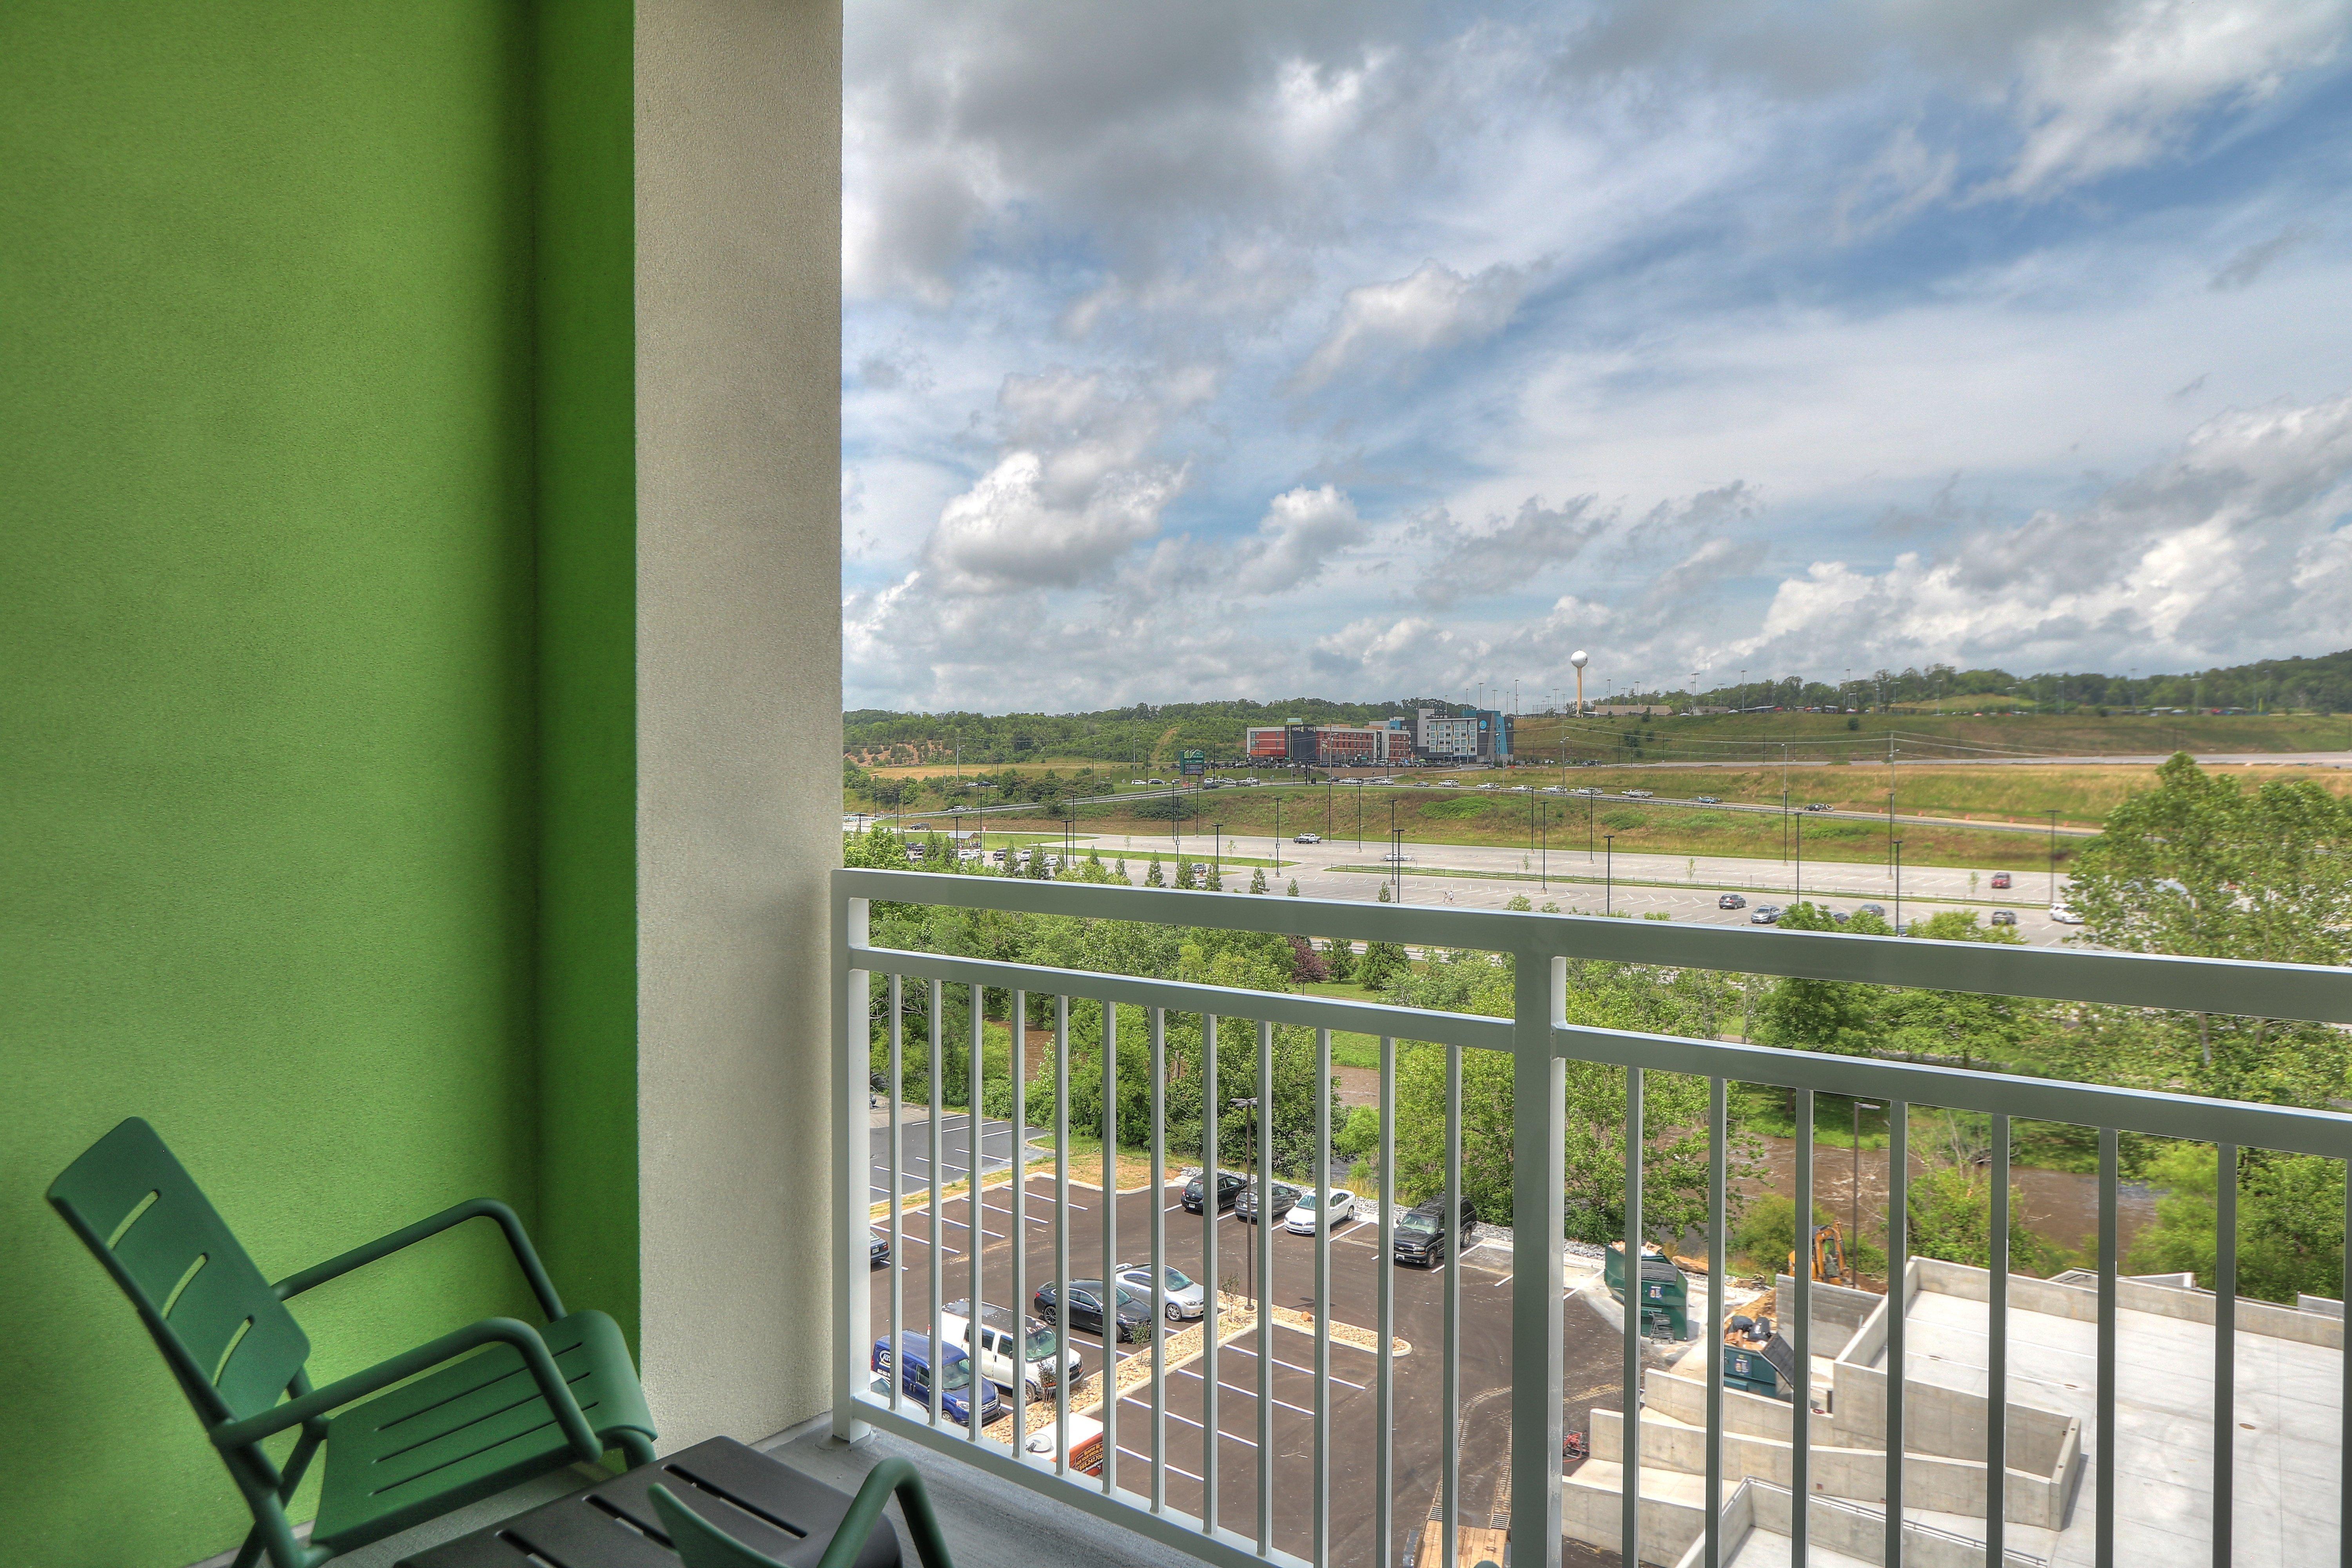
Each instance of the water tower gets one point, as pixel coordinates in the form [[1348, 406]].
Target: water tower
[[1580, 659]]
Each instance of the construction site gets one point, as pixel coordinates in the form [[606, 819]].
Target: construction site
[[2286, 1426]]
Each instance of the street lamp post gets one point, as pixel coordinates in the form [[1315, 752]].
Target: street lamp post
[[1898, 887], [2054, 859], [1609, 874], [1217, 853], [1799, 895], [1249, 1267]]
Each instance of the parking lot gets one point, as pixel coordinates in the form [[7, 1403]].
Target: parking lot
[[1482, 1275]]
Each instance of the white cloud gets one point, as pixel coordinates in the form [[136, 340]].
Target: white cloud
[[2119, 91], [1387, 327], [1507, 553], [2236, 548], [1295, 540]]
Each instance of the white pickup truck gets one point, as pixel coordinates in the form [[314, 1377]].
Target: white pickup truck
[[1001, 1350]]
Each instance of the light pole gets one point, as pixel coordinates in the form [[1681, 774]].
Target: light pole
[[1854, 1212], [1898, 887], [1609, 874], [1217, 853], [1800, 859]]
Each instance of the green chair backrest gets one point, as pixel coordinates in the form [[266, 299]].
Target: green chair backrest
[[230, 1340]]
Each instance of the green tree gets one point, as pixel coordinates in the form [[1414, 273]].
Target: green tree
[[1383, 964], [1338, 957], [1258, 879], [2289, 1221], [1152, 875]]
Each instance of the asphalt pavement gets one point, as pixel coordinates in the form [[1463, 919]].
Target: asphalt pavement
[[954, 1153], [1182, 1439]]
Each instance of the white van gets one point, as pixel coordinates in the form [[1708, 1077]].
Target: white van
[[1039, 1367]]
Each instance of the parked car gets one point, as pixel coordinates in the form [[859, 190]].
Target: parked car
[[1421, 1233], [1840, 916], [2004, 918], [1025, 1357], [2000, 879], [1087, 1308], [1185, 1297], [1307, 838], [1765, 915], [1086, 1442], [2065, 916], [1336, 1203], [1731, 901], [955, 1381], [1229, 1186], [1638, 794], [1278, 1202], [1877, 910], [1707, 799], [878, 1248], [1816, 805]]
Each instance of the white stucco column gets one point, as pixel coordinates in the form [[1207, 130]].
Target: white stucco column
[[739, 699]]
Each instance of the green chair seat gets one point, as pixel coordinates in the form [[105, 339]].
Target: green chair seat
[[468, 1431], [431, 1430]]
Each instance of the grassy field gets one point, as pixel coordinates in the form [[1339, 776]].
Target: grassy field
[[1737, 736], [1435, 817]]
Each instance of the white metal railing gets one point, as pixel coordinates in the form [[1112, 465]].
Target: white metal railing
[[1539, 1044]]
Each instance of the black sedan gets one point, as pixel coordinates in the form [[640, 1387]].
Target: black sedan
[[1086, 1312], [878, 1248], [1229, 1186], [1278, 1203]]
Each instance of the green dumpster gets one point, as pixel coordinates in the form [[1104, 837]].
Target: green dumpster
[[1665, 1295]]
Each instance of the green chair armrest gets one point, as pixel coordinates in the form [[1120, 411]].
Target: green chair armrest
[[701, 1544], [526, 1257], [407, 1365]]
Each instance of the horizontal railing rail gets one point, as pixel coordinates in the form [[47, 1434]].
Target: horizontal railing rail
[[1540, 1042]]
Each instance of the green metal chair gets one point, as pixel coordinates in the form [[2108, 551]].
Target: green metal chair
[[702, 1544], [523, 1401]]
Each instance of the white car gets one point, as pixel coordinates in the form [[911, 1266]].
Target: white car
[[1308, 838], [1554, 789], [1186, 1298], [1338, 1204], [1639, 794], [1038, 1366], [2065, 916]]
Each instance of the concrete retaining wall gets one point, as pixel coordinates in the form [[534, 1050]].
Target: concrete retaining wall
[[1592, 1515], [2081, 1303]]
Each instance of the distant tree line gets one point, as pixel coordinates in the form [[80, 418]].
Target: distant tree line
[[2323, 684]]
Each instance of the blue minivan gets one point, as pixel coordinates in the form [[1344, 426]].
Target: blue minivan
[[955, 1385]]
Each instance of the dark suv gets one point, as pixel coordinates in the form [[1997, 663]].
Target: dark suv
[[1229, 1187], [1421, 1234]]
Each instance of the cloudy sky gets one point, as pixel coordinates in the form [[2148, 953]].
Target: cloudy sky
[[1237, 348]]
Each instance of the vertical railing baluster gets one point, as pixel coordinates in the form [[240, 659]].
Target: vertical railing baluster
[[2103, 1528], [1211, 1288], [975, 1162], [2225, 1352], [1539, 1263], [1020, 1227], [1718, 1183], [1450, 1475], [938, 1374], [1800, 1345], [1322, 1173], [1159, 1259], [1898, 1307], [1384, 1367], [1062, 1228], [1111, 1247], [849, 1078], [1996, 1356], [1264, 1242], [1629, 1526], [898, 1179], [2344, 1401]]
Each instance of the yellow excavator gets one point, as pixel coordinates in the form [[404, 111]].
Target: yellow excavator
[[1830, 1265]]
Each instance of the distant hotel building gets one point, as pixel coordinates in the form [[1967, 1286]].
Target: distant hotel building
[[1432, 736]]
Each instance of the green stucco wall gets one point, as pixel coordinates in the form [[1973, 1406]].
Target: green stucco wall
[[289, 751]]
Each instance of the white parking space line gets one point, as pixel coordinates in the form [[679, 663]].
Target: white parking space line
[[1506, 1279], [1237, 1350], [1146, 1458], [1229, 1437], [1235, 1388]]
